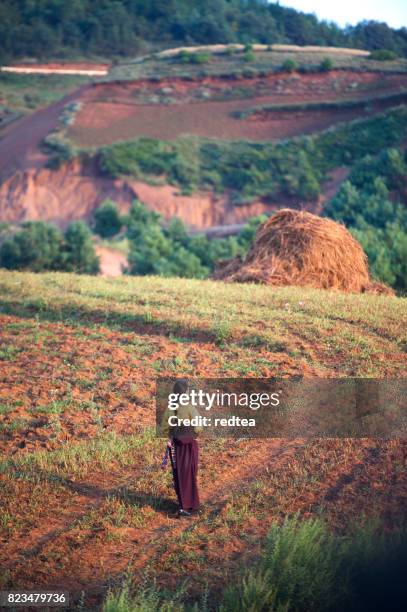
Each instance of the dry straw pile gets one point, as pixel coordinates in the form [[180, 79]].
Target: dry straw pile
[[298, 248]]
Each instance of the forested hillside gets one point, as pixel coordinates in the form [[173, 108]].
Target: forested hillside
[[44, 28]]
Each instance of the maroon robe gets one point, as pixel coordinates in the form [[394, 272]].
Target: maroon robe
[[185, 470]]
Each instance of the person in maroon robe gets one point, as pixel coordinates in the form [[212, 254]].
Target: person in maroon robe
[[184, 455]]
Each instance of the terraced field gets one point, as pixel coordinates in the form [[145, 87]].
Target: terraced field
[[216, 107]]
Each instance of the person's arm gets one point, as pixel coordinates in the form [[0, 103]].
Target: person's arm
[[164, 427]]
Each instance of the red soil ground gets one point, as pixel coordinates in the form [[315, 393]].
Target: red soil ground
[[119, 111], [67, 531], [115, 111], [20, 142], [112, 262]]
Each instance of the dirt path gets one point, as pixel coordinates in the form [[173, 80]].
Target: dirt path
[[88, 564], [75, 68], [112, 262], [20, 141]]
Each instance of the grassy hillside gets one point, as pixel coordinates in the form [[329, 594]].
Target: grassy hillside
[[233, 62], [248, 327], [79, 475], [25, 93]]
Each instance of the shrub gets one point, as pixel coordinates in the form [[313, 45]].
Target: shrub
[[37, 246], [249, 56], [250, 170], [307, 567], [383, 55], [107, 218], [289, 65], [136, 158], [40, 246], [386, 249], [168, 249], [80, 256], [200, 58], [378, 222], [59, 150], [326, 65], [188, 57]]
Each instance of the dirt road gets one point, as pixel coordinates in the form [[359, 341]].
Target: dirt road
[[20, 141], [112, 262]]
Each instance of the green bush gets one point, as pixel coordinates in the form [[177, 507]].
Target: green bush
[[80, 256], [108, 221], [59, 150], [383, 55], [326, 65], [247, 170], [201, 58], [289, 65], [249, 56], [306, 567], [40, 246], [37, 246], [194, 57], [386, 249], [168, 249], [363, 203]]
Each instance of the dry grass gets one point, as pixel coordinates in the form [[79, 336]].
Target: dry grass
[[259, 47], [302, 249]]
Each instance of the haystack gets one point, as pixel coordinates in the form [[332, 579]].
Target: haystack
[[298, 248]]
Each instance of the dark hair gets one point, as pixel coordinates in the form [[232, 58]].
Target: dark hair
[[181, 386]]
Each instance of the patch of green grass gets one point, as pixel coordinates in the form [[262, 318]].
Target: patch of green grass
[[18, 424], [10, 406], [336, 326], [26, 93], [9, 524], [307, 567], [8, 353], [55, 407], [231, 63], [81, 457]]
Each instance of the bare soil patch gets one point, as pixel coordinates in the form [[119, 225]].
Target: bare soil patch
[[206, 107]]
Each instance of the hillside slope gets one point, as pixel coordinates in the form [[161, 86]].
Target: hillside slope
[[176, 326], [185, 108], [83, 501]]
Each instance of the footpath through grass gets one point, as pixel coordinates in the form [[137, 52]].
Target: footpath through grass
[[83, 502]]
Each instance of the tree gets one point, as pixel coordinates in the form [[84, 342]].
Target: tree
[[80, 256], [379, 223], [37, 246], [108, 221], [168, 250], [386, 250]]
